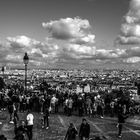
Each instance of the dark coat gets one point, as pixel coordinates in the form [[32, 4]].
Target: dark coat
[[121, 115], [71, 134], [10, 108], [45, 111], [21, 133], [121, 118], [84, 130]]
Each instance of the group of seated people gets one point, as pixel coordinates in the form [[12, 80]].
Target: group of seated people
[[2, 137]]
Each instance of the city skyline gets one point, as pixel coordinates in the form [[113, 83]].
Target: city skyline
[[82, 34]]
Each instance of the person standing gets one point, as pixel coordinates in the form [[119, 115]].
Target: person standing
[[0, 105], [11, 111], [15, 116], [15, 111], [121, 119], [28, 102], [84, 130], [30, 122], [80, 106], [54, 101], [70, 105], [112, 105], [45, 117], [66, 106], [71, 132]]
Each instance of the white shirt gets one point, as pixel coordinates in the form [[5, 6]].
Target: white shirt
[[30, 119], [28, 99], [53, 100]]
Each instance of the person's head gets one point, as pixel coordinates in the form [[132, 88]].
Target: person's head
[[71, 125], [84, 121], [29, 111]]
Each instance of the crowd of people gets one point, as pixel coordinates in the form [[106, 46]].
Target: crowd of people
[[57, 101]]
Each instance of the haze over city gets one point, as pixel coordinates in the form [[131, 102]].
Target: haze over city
[[82, 34]]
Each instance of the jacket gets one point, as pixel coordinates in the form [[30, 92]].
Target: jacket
[[84, 130]]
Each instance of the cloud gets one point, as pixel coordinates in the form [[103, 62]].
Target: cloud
[[12, 51], [118, 53], [22, 44], [14, 58], [108, 54], [4, 50], [132, 60], [105, 55], [113, 56], [45, 54], [130, 29], [74, 30], [71, 42], [79, 51], [132, 52], [75, 34], [88, 39], [22, 40], [127, 40]]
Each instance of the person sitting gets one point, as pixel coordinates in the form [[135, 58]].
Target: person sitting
[[21, 132], [2, 137]]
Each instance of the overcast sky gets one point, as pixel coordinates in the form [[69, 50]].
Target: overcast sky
[[70, 33]]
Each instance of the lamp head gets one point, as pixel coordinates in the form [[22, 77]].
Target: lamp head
[[26, 59]]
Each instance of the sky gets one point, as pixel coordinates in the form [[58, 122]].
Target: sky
[[82, 34]]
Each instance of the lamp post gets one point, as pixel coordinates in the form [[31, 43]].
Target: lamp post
[[26, 60], [2, 69]]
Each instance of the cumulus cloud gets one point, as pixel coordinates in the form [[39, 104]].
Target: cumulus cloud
[[71, 42], [132, 60], [114, 56], [23, 41], [79, 51], [118, 53], [12, 51], [88, 39], [108, 54], [22, 44], [14, 58], [75, 30], [125, 40], [130, 29], [105, 55], [4, 51], [75, 34], [44, 53]]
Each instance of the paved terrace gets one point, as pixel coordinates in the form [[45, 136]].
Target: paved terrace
[[104, 128]]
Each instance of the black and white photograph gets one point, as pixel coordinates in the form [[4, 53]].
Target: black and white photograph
[[69, 69]]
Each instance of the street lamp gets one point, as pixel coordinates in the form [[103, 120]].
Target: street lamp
[[2, 69], [26, 60]]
